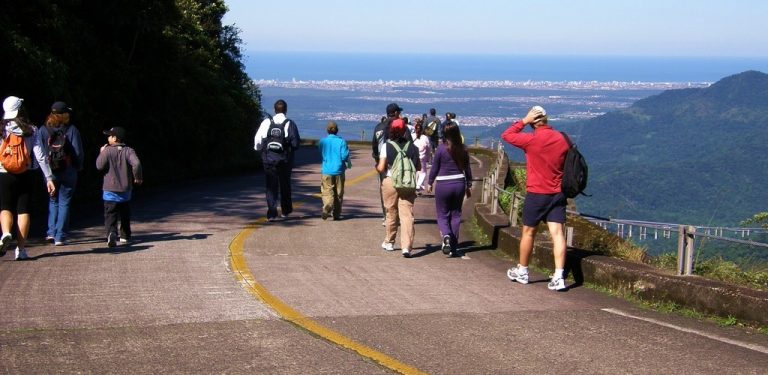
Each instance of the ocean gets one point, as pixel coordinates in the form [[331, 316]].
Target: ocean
[[454, 67]]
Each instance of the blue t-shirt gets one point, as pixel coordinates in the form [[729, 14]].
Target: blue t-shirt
[[335, 151]]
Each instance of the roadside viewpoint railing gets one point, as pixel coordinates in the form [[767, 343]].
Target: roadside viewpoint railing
[[627, 229], [686, 235]]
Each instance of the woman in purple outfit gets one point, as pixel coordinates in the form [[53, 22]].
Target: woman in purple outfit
[[450, 169]]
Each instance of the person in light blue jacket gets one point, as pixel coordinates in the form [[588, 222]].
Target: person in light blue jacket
[[335, 161]]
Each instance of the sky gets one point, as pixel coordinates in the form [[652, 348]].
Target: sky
[[712, 28]]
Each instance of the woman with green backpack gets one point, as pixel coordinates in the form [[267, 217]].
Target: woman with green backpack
[[399, 159]]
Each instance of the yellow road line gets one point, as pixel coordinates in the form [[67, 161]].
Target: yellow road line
[[248, 281]]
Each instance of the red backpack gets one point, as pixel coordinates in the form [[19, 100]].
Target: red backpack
[[14, 155]]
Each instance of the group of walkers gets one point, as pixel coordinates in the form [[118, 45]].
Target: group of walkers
[[401, 156], [56, 150], [428, 157]]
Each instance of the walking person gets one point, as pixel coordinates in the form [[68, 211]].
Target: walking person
[[451, 179], [380, 137], [20, 155], [278, 139], [335, 155], [421, 141], [545, 150], [432, 126], [398, 201], [65, 157], [122, 170]]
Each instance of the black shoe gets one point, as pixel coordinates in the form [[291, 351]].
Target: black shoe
[[324, 216], [446, 244], [111, 240]]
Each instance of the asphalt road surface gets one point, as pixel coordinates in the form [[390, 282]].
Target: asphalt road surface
[[208, 286]]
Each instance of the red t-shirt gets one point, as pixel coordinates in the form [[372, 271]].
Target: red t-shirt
[[545, 150]]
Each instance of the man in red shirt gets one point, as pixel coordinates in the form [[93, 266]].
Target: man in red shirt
[[545, 150]]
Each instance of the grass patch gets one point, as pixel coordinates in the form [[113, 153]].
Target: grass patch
[[667, 307]]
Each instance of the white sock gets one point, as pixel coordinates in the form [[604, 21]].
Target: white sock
[[558, 273], [522, 270]]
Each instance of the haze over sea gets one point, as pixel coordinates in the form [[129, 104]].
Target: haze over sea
[[325, 86]]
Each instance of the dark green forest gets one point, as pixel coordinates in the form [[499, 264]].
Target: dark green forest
[[166, 70], [693, 156]]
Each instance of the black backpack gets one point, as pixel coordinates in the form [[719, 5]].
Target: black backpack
[[60, 150], [575, 171], [275, 147]]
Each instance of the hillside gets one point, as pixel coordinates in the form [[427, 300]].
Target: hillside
[[692, 156]]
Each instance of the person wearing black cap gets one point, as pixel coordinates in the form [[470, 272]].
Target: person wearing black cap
[[65, 156], [122, 170], [380, 136]]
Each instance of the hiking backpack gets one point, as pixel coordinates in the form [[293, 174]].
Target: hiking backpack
[[275, 148], [403, 172], [60, 150], [14, 155], [575, 171], [431, 128]]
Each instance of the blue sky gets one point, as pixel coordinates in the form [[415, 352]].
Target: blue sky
[[714, 28]]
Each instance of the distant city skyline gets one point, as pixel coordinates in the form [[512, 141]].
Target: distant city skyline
[[708, 28]]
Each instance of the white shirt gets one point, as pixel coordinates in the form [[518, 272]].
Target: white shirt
[[264, 127]]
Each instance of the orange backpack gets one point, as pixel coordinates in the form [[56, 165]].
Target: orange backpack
[[14, 155]]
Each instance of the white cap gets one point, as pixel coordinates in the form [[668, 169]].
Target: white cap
[[539, 109], [11, 107]]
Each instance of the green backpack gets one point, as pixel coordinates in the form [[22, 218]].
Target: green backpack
[[403, 172]]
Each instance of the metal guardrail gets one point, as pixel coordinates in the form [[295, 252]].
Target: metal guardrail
[[686, 233]]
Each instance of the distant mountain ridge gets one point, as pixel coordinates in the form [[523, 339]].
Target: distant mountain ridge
[[695, 156]]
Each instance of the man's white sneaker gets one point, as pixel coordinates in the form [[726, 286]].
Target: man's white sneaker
[[388, 246], [21, 254], [556, 284], [5, 243], [406, 253], [514, 274]]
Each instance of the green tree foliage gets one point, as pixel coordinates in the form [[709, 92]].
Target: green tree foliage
[[760, 218], [166, 70]]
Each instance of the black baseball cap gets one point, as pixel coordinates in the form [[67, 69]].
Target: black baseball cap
[[392, 108], [117, 131]]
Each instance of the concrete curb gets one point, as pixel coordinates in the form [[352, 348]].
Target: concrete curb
[[641, 280]]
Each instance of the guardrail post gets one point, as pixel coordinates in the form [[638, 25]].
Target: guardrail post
[[690, 237], [513, 210], [685, 241], [362, 135], [485, 190], [569, 236]]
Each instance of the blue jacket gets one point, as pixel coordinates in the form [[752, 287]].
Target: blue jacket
[[335, 151]]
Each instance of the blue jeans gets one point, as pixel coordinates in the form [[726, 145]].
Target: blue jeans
[[58, 205]]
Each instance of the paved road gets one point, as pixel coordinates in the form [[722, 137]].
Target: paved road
[[210, 287]]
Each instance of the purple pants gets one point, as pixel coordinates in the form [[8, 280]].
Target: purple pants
[[449, 196]]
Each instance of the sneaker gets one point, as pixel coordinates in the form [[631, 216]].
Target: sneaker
[[59, 243], [324, 216], [388, 246], [406, 253], [49, 238], [124, 240], [446, 244], [515, 275], [556, 284], [111, 240], [5, 242], [21, 254]]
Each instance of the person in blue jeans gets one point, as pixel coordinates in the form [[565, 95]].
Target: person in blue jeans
[[65, 156], [451, 179]]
